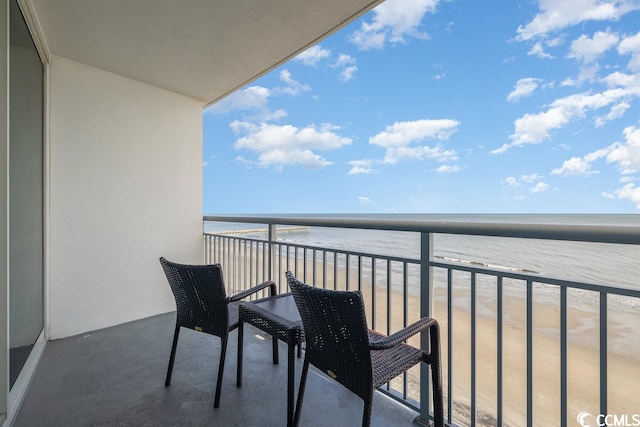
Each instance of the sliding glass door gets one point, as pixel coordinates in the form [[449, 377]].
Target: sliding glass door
[[26, 318]]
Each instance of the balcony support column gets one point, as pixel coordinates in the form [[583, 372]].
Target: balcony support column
[[426, 310]]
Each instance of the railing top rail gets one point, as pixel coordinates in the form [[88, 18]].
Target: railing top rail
[[580, 233]]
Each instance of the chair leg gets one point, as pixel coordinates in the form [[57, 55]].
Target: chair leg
[[240, 345], [303, 383], [366, 415], [274, 344], [172, 357], [223, 351]]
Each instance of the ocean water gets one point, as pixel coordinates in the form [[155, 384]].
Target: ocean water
[[598, 263]]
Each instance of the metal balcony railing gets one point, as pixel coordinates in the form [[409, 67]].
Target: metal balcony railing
[[513, 353]]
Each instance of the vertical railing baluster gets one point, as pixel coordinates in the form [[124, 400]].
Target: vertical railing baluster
[[426, 310], [234, 265], [374, 263], [603, 353], [273, 238], [563, 356], [304, 264], [529, 353], [388, 297], [388, 304], [474, 411], [335, 270], [499, 378], [280, 272], [450, 345], [314, 278], [204, 250], [288, 257], [244, 264], [347, 271], [250, 262], [324, 269], [405, 318], [359, 272]]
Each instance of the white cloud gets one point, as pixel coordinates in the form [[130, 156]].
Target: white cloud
[[397, 138], [540, 187], [361, 167], [616, 112], [557, 15], [257, 98], [293, 87], [524, 87], [404, 133], [448, 169], [346, 64], [535, 128], [629, 192], [362, 200], [253, 97], [393, 21], [631, 45], [588, 50], [313, 55], [511, 182], [514, 182], [577, 166], [538, 50], [347, 74], [288, 145], [344, 60], [531, 178], [618, 79], [627, 155]]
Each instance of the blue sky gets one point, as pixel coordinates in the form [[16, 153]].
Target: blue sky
[[432, 106]]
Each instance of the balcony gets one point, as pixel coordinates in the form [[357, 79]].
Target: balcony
[[520, 346]]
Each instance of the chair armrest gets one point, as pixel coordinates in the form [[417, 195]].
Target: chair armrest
[[394, 339], [253, 290]]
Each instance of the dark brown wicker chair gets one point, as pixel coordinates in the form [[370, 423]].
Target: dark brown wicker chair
[[202, 305], [339, 343]]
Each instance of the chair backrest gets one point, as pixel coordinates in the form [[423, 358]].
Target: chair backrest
[[336, 334], [201, 299]]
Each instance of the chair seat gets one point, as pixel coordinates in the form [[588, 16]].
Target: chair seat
[[389, 363]]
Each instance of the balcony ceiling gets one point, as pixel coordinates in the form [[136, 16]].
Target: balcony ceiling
[[204, 49]]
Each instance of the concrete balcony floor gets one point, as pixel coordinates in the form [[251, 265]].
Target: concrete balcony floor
[[115, 377]]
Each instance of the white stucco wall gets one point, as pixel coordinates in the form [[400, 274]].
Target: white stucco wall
[[125, 189]]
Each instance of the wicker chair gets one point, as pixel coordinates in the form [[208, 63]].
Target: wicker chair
[[339, 344], [202, 305]]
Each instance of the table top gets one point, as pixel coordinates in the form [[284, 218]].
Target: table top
[[282, 306]]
